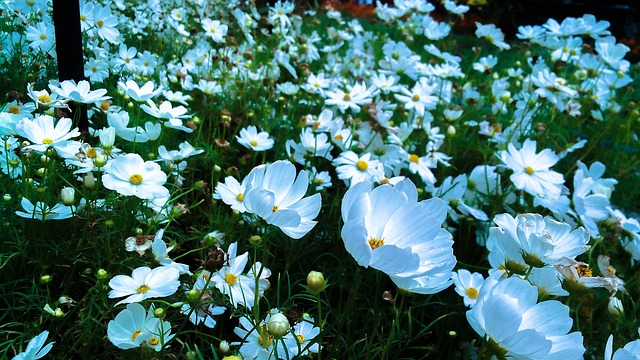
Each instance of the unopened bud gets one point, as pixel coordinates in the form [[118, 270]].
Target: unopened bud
[[45, 279], [102, 274], [6, 198], [615, 307], [224, 346], [68, 195], [315, 282], [89, 181], [160, 313], [278, 325], [451, 130], [255, 240]]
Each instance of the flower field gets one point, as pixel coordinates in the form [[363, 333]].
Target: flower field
[[280, 181]]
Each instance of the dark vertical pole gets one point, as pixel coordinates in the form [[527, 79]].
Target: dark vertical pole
[[66, 19]]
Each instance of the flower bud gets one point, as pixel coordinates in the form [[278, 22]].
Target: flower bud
[[89, 181], [102, 274], [278, 325], [315, 282], [41, 172], [232, 357], [7, 198], [68, 195], [45, 279], [108, 137], [255, 240], [100, 161], [160, 313], [224, 346], [451, 130], [614, 307], [44, 159]]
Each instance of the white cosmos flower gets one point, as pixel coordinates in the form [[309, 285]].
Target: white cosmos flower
[[44, 132], [508, 316], [276, 194], [252, 139], [137, 93], [388, 229], [41, 211], [145, 283], [531, 171], [131, 175], [36, 348], [79, 92]]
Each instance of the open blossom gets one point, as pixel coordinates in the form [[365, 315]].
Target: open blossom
[[531, 240], [389, 230], [44, 132], [508, 316], [145, 283], [137, 93], [36, 349], [531, 171], [252, 139], [354, 169], [134, 326], [276, 195], [79, 92], [131, 175]]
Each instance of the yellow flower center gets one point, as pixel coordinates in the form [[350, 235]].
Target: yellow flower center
[[275, 208], [83, 17], [94, 69], [154, 341], [100, 23], [104, 106], [472, 293], [584, 271], [44, 98], [300, 338], [135, 334], [267, 343], [240, 197], [529, 170], [338, 137], [347, 97], [47, 141], [253, 143], [375, 243], [135, 179], [362, 165], [414, 158], [143, 289], [231, 279], [92, 153], [13, 109], [416, 97]]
